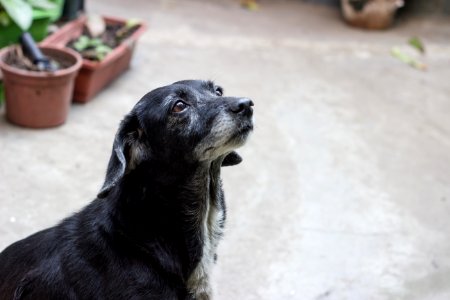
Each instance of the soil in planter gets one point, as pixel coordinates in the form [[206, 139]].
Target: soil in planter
[[100, 46], [17, 59]]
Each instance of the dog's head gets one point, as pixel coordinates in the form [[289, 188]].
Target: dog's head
[[185, 122]]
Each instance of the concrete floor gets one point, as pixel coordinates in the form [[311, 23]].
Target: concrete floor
[[344, 192]]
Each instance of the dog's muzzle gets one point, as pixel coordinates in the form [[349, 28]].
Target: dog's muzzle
[[242, 110], [242, 106]]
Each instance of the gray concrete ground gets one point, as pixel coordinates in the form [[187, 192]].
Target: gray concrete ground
[[344, 192]]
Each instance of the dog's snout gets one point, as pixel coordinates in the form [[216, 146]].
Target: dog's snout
[[242, 106]]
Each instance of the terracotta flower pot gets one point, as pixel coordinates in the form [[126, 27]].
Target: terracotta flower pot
[[95, 75], [39, 99], [374, 14]]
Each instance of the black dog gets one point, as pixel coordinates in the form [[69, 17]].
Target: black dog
[[153, 229]]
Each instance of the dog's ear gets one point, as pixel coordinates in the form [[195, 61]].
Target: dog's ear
[[231, 159], [126, 153]]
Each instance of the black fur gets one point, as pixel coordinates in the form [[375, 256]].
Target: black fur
[[141, 238]]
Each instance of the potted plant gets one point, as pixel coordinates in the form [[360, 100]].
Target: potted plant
[[374, 14], [17, 16], [104, 58], [36, 98]]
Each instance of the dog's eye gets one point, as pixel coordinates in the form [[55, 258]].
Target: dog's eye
[[179, 107], [219, 91]]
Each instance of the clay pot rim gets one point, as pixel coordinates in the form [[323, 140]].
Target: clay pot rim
[[73, 68]]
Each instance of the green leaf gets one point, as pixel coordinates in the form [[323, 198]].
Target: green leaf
[[95, 42], [101, 51], [19, 11], [4, 19], [82, 43], [417, 43], [131, 23], [400, 55], [42, 4]]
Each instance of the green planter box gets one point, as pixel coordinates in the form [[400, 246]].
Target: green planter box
[[41, 19]]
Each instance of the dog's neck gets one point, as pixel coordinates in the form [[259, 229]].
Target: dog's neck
[[169, 203]]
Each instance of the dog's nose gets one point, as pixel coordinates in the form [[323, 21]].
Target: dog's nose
[[242, 106]]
